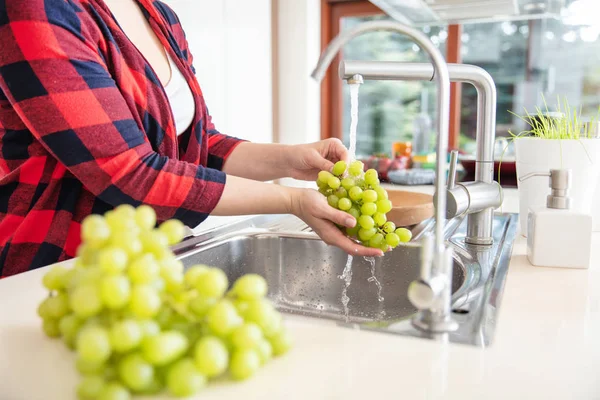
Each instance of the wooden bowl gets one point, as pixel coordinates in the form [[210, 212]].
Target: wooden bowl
[[410, 208]]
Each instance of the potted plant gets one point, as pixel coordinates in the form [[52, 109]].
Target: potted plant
[[561, 139]]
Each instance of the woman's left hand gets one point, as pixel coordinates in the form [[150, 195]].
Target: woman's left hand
[[305, 161]]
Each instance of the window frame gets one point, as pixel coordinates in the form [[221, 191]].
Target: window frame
[[332, 12]]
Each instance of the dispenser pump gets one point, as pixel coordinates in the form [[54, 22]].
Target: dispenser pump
[[560, 182]]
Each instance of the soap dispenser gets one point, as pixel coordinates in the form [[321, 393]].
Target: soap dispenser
[[556, 235]]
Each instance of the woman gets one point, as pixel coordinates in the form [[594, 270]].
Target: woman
[[100, 107]]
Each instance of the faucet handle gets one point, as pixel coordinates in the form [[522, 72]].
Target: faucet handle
[[452, 170]]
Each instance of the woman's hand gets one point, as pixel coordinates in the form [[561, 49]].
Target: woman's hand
[[311, 206], [306, 160], [247, 197]]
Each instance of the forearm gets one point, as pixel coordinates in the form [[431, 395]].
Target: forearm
[[259, 162], [245, 196]]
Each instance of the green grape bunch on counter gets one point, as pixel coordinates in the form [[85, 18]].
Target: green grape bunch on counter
[[348, 188], [139, 323]]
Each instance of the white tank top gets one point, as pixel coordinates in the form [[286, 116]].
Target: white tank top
[[180, 98]]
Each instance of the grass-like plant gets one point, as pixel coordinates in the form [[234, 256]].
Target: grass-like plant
[[565, 124]]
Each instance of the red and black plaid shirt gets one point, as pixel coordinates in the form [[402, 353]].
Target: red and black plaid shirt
[[85, 125]]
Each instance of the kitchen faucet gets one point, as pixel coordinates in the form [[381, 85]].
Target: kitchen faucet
[[478, 199], [431, 294]]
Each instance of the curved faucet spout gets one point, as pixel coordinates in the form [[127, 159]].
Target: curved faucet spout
[[443, 103]]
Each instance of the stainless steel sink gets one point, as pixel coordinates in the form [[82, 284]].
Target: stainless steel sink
[[305, 276]]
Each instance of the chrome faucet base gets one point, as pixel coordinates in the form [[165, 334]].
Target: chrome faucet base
[[479, 224], [477, 241]]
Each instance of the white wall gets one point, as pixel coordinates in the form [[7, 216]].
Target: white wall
[[298, 49], [231, 44]]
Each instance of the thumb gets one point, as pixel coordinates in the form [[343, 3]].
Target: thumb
[[316, 160], [340, 217]]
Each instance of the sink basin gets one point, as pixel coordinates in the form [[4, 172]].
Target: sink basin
[[306, 277]]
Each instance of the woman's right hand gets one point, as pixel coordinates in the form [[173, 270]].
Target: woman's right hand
[[312, 207], [247, 197]]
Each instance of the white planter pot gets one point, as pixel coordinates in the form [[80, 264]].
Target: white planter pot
[[541, 155]]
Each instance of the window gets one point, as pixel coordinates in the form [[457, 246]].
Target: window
[[389, 110], [531, 61], [528, 60]]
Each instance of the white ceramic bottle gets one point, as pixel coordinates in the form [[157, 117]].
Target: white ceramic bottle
[[556, 235]]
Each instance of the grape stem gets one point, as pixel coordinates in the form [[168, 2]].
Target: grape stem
[[171, 303]]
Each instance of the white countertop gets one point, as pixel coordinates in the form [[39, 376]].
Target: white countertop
[[546, 346]]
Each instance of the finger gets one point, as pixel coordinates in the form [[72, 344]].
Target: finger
[[366, 251], [337, 151], [311, 175], [337, 216], [320, 162], [326, 165], [334, 237]]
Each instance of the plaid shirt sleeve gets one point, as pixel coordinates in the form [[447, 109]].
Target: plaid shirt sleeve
[[59, 85]]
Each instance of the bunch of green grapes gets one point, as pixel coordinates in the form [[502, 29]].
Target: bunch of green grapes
[[139, 323], [359, 193]]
